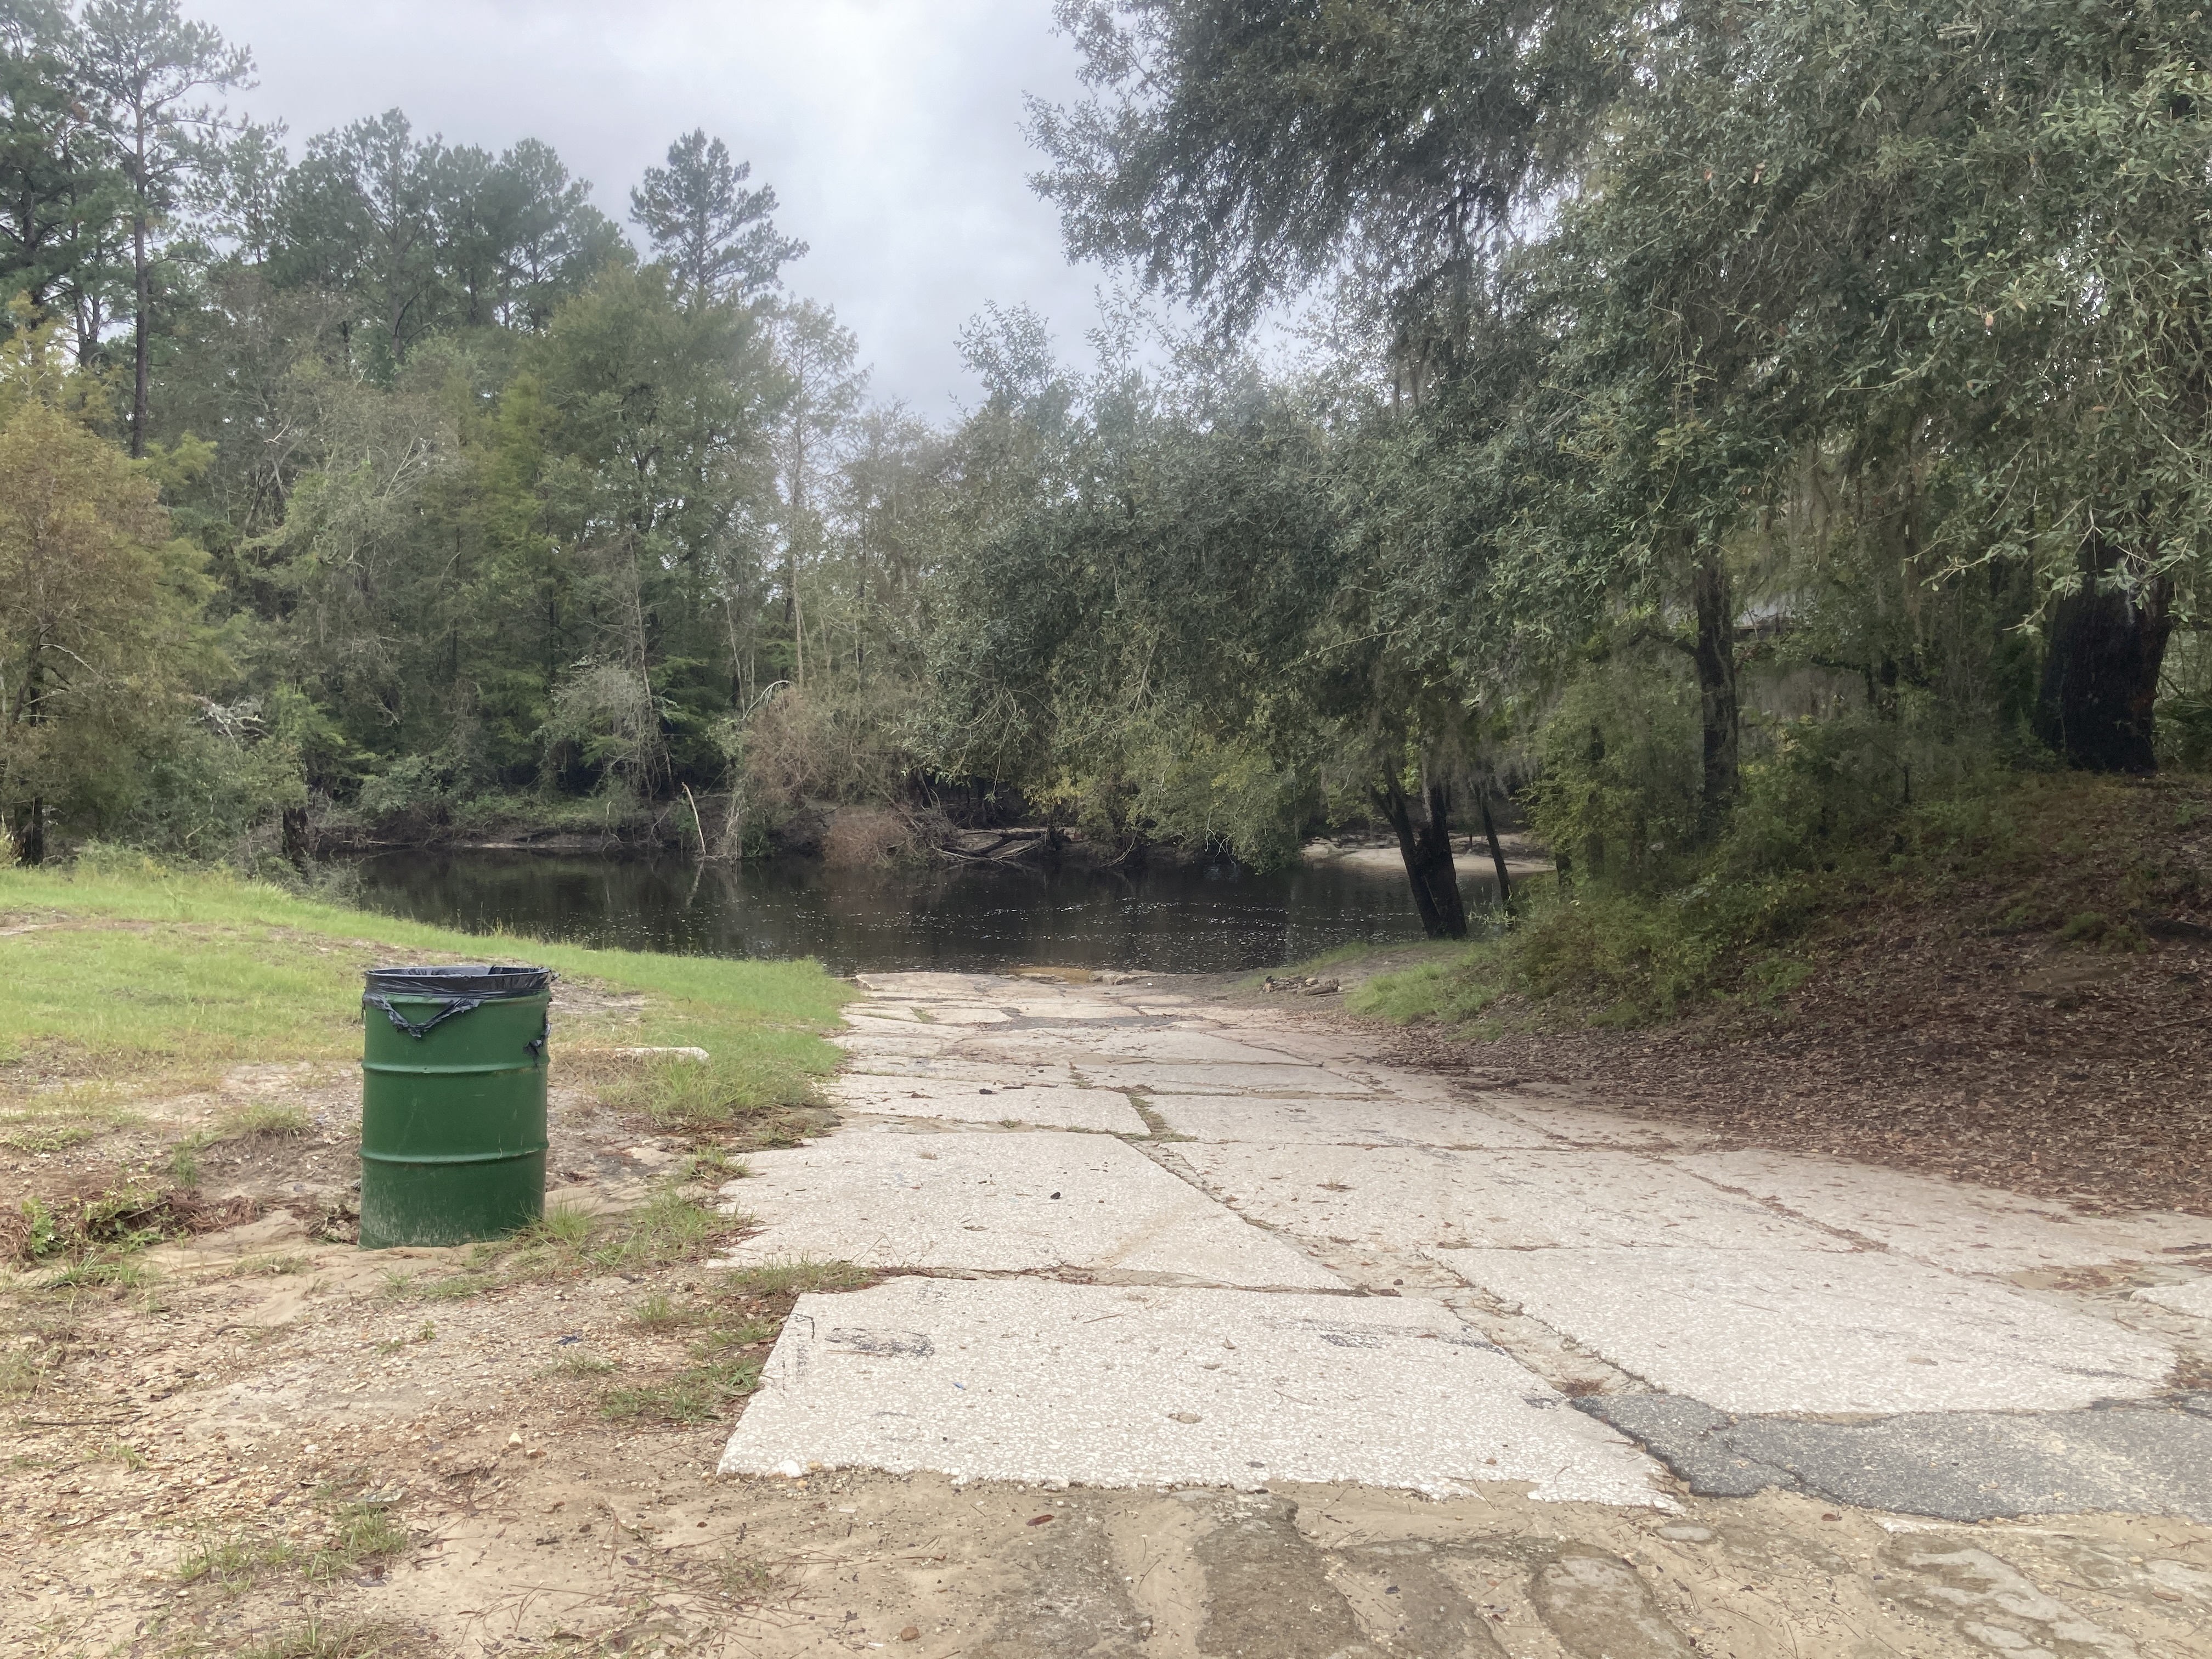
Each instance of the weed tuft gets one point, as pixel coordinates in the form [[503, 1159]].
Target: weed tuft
[[319, 1638], [20, 1374], [753, 1087], [800, 1277], [724, 1364], [264, 1120], [567, 1224], [234, 1565], [366, 1535], [711, 1164], [120, 1451], [270, 1266], [183, 1162], [659, 1312], [744, 1578]]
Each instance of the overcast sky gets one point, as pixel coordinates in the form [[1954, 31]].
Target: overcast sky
[[890, 129]]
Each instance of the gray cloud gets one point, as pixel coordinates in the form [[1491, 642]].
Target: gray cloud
[[890, 129]]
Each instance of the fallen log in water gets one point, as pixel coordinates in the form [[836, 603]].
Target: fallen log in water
[[997, 846]]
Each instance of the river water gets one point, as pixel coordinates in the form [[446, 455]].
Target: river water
[[1182, 919]]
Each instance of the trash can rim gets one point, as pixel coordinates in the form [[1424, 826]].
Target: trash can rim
[[480, 983]]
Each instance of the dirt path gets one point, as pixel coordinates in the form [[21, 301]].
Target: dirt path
[[1176, 1329]]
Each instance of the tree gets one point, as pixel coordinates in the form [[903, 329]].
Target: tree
[[240, 194], [361, 218], [94, 598], [516, 234], [45, 151], [716, 239], [817, 354], [146, 66], [1237, 151]]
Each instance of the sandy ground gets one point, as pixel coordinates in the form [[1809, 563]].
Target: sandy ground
[[270, 1389]]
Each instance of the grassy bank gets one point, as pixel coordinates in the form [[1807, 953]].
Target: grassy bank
[[219, 1405], [2105, 866], [2014, 988], [118, 984]]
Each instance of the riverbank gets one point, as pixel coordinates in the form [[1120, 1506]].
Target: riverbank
[[1175, 1314], [2021, 998], [199, 1366]]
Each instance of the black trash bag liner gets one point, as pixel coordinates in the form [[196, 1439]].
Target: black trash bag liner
[[485, 984], [463, 990]]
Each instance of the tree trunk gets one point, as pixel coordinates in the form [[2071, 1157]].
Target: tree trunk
[[1719, 715], [1426, 849], [299, 843], [144, 289], [2100, 677], [1497, 852], [31, 832]]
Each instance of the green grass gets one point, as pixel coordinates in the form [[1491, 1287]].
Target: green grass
[[581, 1365], [234, 1565], [660, 1312], [561, 1224], [1352, 956], [682, 1095], [157, 978], [55, 1119], [718, 1369], [365, 1535], [1453, 988], [2087, 863], [20, 1374], [264, 1119], [668, 1229], [722, 1362], [798, 1278]]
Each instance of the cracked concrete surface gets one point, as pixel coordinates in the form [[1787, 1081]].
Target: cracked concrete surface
[[1274, 1266]]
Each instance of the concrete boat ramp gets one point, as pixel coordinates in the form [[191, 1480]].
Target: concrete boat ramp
[[1132, 1241]]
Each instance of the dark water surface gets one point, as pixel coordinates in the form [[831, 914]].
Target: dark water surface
[[1208, 918]]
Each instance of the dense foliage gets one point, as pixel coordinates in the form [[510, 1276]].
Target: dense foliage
[[1770, 413], [458, 493], [1719, 427]]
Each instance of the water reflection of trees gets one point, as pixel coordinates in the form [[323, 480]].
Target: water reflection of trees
[[1168, 919]]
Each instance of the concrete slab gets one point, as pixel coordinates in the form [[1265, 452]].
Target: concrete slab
[[962, 1071], [1585, 1126], [1388, 1122], [1316, 1046], [968, 1013], [918, 1041], [900, 1026], [923, 986], [2192, 1297], [979, 1102], [975, 1201], [1070, 1009], [1968, 1229], [1424, 1199], [1031, 1381], [1773, 1331], [1170, 1078], [1081, 1044]]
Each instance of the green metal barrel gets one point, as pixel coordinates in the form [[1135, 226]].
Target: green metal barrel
[[452, 1110]]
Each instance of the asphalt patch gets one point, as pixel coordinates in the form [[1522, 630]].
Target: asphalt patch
[[2134, 1457]]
